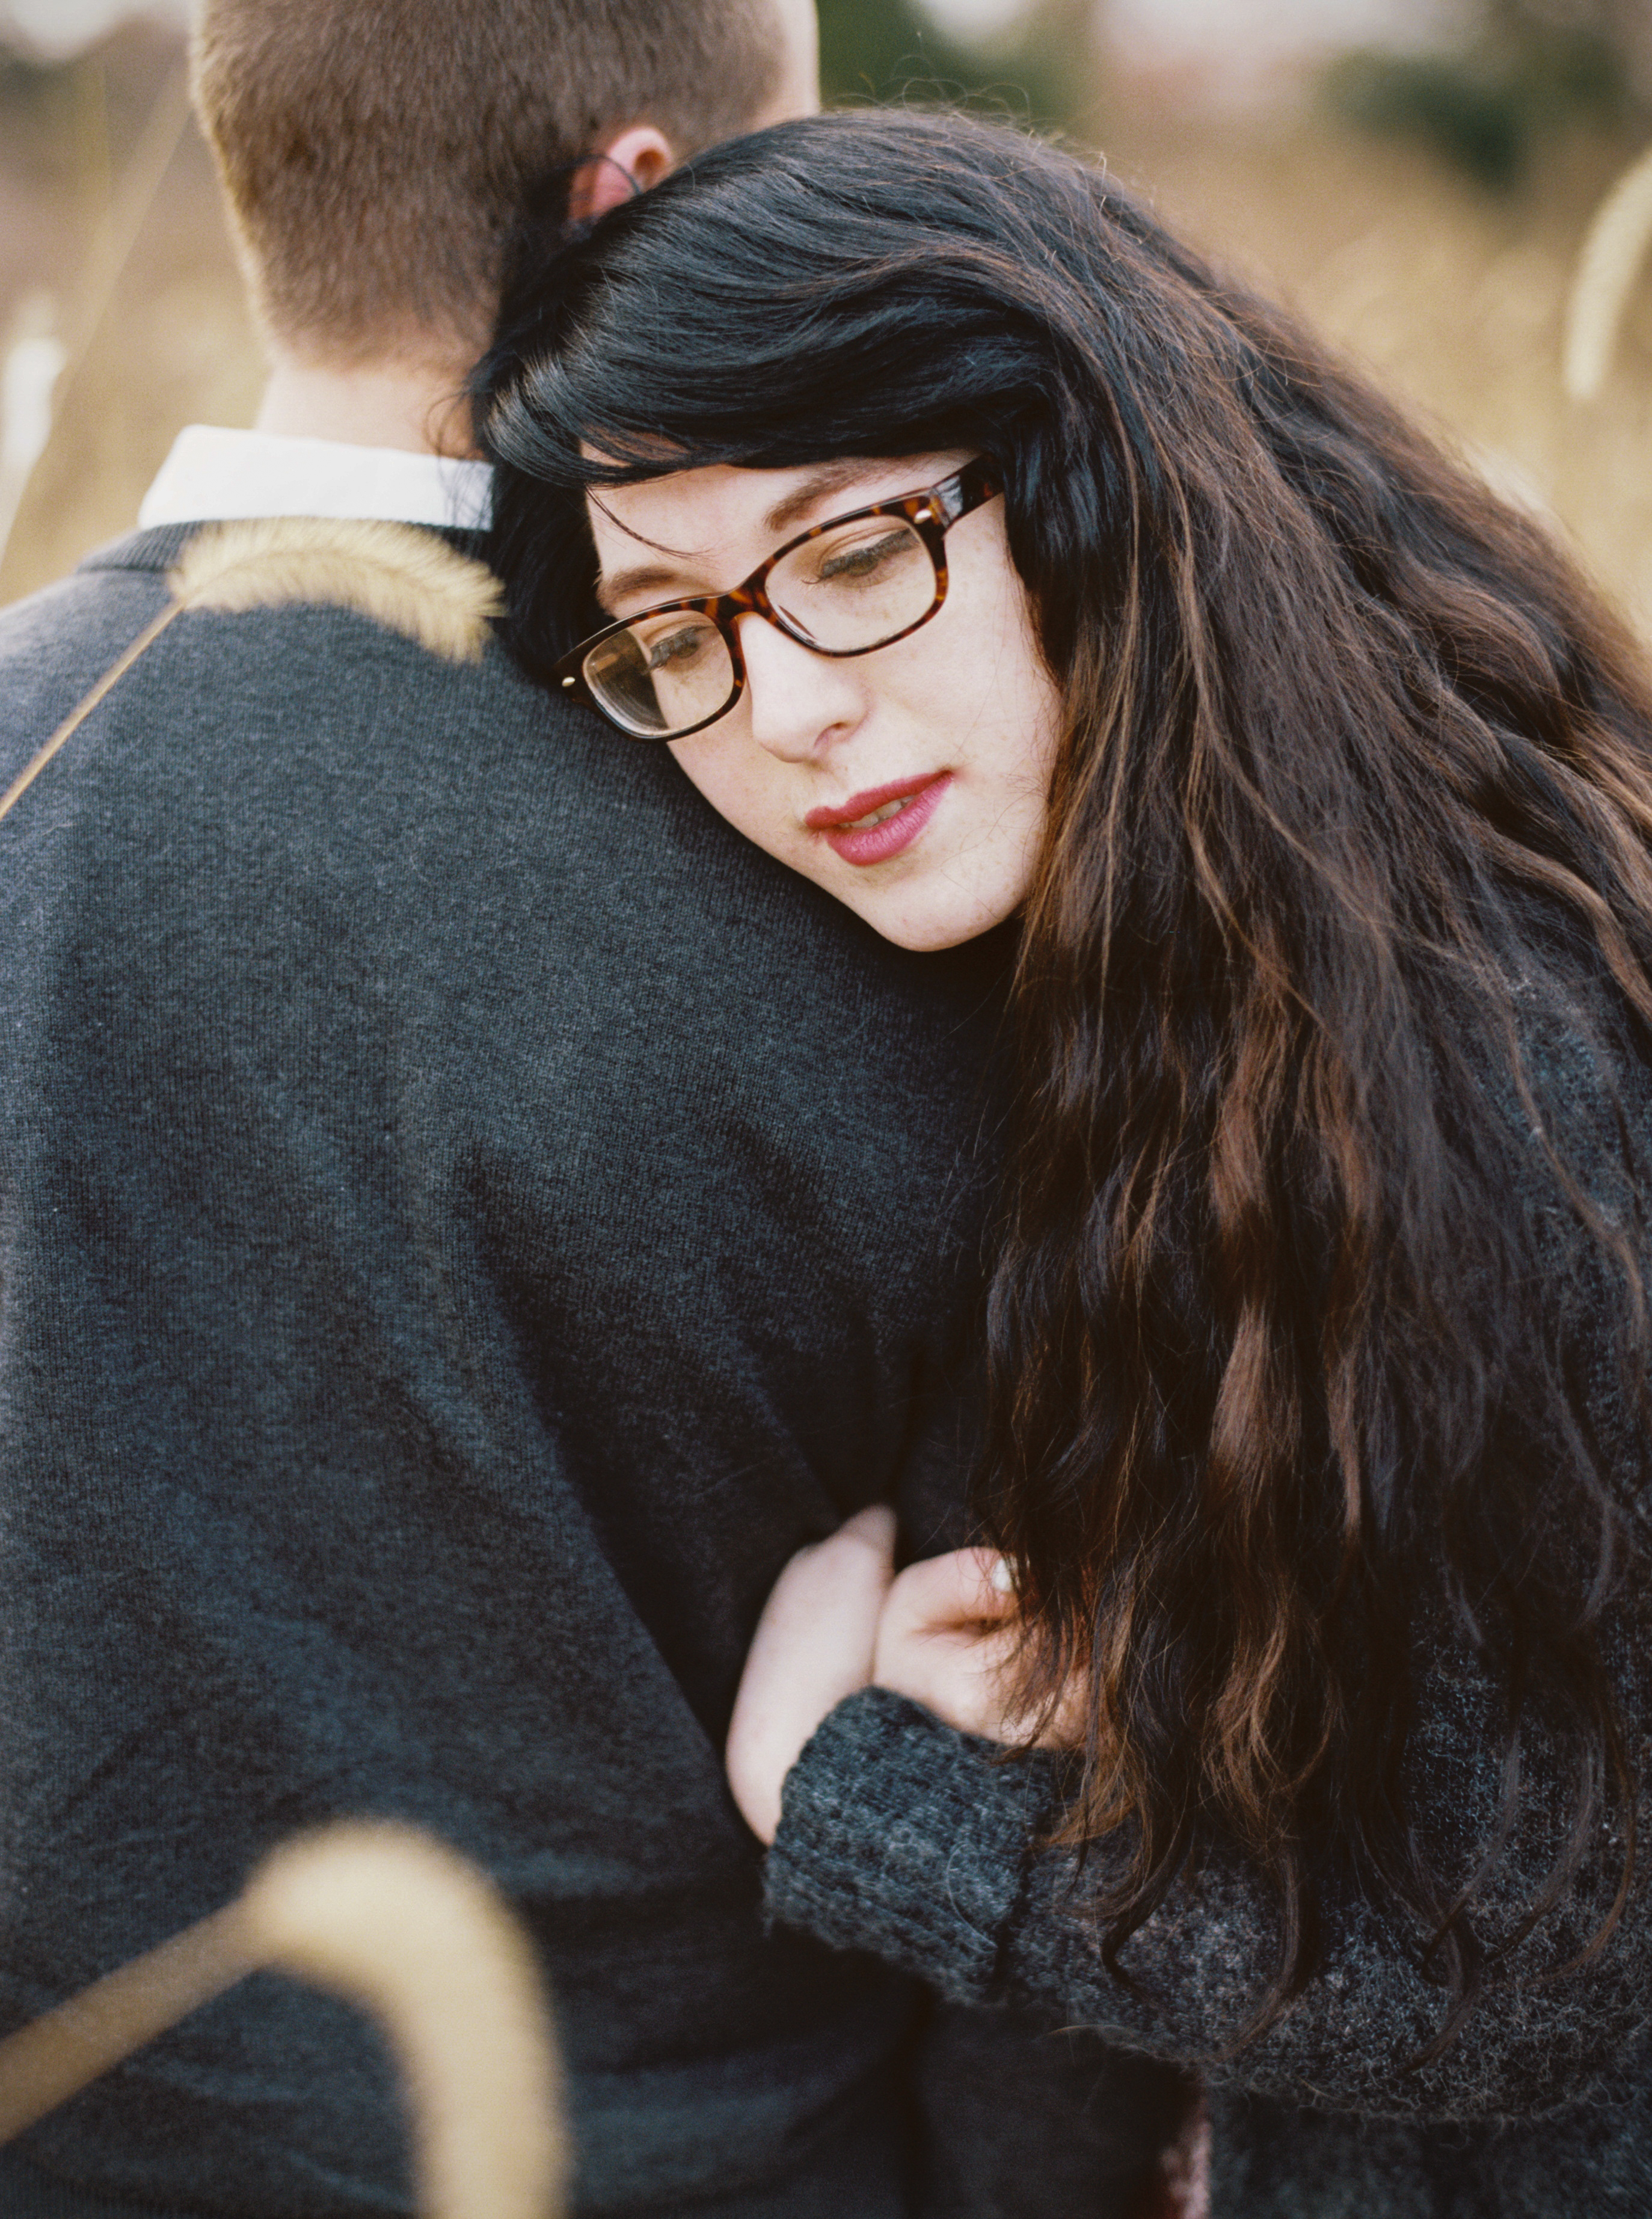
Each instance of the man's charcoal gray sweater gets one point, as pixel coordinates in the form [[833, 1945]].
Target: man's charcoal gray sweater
[[901, 1836], [465, 1219]]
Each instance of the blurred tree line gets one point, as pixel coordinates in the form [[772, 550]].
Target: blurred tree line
[[1527, 71], [889, 49], [1533, 68]]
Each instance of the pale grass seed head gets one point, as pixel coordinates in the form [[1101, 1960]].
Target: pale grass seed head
[[1612, 254], [392, 574]]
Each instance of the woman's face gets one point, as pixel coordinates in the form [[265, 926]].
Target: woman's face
[[912, 782]]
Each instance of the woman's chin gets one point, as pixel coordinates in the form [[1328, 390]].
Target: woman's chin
[[927, 926]]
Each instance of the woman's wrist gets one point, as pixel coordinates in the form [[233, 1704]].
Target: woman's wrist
[[900, 1835]]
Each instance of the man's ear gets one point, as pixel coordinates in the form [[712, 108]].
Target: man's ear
[[621, 167]]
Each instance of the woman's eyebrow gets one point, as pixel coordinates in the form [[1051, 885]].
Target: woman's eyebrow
[[652, 580], [648, 579], [831, 477]]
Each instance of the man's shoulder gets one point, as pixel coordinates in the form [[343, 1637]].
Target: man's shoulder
[[134, 565], [70, 629], [215, 682], [99, 606], [314, 729], [406, 798]]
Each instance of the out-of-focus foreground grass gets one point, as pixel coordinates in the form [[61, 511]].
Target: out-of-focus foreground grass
[[1451, 294]]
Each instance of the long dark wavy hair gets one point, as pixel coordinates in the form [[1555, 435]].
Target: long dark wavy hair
[[1352, 805]]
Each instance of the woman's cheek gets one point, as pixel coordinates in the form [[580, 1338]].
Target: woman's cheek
[[739, 785]]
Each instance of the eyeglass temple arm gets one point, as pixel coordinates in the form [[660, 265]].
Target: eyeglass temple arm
[[966, 489]]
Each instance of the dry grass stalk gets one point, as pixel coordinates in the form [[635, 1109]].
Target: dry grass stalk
[[49, 2061], [1612, 253], [408, 1931], [400, 1926], [394, 573]]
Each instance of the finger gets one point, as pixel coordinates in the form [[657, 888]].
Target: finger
[[813, 1646], [849, 1572], [962, 1588], [872, 1531], [962, 1675], [846, 1577]]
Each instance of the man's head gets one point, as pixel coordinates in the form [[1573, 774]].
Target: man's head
[[376, 153]]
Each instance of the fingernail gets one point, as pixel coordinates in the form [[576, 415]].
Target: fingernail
[[1002, 1578]]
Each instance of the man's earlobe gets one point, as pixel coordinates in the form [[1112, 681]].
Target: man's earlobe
[[624, 165]]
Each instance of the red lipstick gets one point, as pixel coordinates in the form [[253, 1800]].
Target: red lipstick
[[864, 844]]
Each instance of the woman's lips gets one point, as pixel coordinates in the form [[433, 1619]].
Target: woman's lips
[[910, 802]]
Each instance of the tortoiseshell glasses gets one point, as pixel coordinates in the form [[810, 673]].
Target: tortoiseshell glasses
[[842, 587]]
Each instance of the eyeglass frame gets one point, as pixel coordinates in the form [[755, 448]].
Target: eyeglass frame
[[932, 514]]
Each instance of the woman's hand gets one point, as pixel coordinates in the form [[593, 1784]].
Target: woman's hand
[[838, 1620], [945, 1637], [813, 1646], [949, 1637]]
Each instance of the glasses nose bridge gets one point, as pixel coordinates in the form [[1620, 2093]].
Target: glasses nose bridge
[[750, 599]]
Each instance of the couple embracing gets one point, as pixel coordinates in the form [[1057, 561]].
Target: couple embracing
[[968, 1134]]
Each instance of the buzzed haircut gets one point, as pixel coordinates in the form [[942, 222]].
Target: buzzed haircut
[[377, 154]]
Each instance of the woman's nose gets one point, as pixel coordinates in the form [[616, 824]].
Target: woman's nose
[[797, 699]]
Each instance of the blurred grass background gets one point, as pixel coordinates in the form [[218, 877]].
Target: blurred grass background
[[1416, 177]]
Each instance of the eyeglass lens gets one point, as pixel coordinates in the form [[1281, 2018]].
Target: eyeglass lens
[[849, 589]]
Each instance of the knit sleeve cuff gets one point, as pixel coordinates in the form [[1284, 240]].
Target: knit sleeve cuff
[[900, 1836]]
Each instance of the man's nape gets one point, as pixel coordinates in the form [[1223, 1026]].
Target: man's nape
[[798, 92], [407, 392]]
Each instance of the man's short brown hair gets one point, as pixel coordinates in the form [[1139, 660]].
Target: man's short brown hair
[[376, 153]]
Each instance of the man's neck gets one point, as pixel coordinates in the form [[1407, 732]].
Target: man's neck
[[420, 408]]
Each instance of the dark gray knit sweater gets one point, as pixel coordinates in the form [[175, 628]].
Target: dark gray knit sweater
[[901, 1836], [465, 1219]]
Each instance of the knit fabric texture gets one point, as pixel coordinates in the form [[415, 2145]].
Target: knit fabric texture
[[902, 1836], [465, 1219]]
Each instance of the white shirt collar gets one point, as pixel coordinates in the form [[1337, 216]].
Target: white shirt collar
[[213, 475]]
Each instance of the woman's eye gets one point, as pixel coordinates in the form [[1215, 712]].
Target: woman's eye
[[867, 559], [674, 648]]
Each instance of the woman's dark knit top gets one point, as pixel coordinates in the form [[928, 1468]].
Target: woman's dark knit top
[[902, 1836]]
